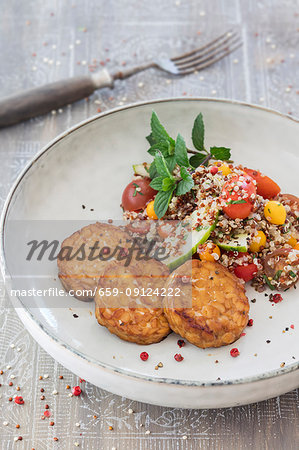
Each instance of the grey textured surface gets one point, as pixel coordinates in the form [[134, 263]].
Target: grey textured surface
[[43, 41]]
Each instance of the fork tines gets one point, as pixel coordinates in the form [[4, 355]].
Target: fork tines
[[208, 54]]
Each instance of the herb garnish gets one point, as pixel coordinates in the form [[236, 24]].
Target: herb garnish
[[268, 282], [170, 154], [277, 275], [136, 191], [236, 202]]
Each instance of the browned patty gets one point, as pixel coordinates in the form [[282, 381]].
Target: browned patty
[[220, 307], [82, 275], [133, 318]]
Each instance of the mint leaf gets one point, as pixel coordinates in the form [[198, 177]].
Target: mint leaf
[[221, 153], [163, 146], [167, 184], [186, 183], [196, 160], [158, 131], [156, 183], [185, 174], [180, 152], [171, 162], [150, 139], [161, 165], [161, 203], [153, 171], [198, 133]]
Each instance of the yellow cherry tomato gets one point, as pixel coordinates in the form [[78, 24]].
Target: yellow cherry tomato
[[275, 212], [150, 211], [258, 241], [225, 169], [296, 247], [292, 242], [209, 252]]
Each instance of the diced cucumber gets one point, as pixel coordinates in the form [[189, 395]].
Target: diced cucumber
[[199, 237], [141, 169], [238, 242]]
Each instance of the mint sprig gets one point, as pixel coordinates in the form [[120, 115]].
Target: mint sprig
[[170, 154]]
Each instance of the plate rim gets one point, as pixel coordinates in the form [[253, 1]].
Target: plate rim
[[245, 380]]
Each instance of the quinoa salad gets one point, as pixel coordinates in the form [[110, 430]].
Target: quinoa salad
[[235, 215]]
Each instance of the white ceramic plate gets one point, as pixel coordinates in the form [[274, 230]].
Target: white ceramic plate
[[91, 164]]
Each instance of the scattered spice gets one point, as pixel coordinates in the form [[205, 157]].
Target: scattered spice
[[181, 343], [51, 424], [61, 377], [234, 352], [250, 323], [178, 357], [19, 400], [282, 364], [17, 426], [76, 391], [144, 356], [276, 298], [110, 428], [47, 413]]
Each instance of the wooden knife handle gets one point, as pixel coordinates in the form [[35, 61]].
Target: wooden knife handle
[[44, 99]]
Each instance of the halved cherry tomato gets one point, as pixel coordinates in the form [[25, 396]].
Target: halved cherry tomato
[[137, 194], [265, 186], [247, 271], [238, 195]]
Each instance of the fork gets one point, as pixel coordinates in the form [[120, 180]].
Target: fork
[[44, 99]]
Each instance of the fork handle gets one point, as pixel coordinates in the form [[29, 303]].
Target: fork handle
[[44, 99]]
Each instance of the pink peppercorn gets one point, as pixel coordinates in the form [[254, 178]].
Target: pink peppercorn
[[144, 356], [213, 170], [234, 352], [181, 343], [250, 323], [277, 298], [76, 391], [47, 413], [19, 400], [292, 326], [178, 357]]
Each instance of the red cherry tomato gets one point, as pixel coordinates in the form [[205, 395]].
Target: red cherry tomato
[[265, 186], [246, 272], [137, 194], [238, 195]]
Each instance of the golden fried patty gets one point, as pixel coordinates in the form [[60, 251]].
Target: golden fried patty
[[80, 273], [131, 315], [220, 307]]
